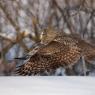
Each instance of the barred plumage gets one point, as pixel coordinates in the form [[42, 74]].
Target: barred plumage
[[60, 51]]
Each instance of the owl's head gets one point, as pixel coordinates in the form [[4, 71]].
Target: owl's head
[[48, 35]]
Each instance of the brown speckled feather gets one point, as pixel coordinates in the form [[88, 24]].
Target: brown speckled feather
[[87, 49], [59, 51], [49, 58]]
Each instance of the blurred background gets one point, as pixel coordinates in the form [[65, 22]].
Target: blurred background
[[21, 22]]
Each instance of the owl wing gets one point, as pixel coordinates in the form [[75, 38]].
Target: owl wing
[[66, 52], [37, 65], [41, 62], [51, 48]]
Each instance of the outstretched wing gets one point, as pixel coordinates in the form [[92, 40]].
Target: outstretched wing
[[38, 65], [49, 58]]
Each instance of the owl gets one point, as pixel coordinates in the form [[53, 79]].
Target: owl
[[56, 49]]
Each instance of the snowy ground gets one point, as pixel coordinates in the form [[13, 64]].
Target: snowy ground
[[47, 85]]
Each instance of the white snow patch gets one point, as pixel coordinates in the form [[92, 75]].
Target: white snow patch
[[47, 85]]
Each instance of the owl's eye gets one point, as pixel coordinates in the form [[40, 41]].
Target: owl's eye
[[43, 34]]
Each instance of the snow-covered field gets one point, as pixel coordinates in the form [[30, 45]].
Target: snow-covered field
[[47, 85]]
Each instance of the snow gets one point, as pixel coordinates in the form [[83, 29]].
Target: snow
[[47, 85]]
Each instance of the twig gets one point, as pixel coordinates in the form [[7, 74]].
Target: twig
[[6, 38], [84, 65]]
